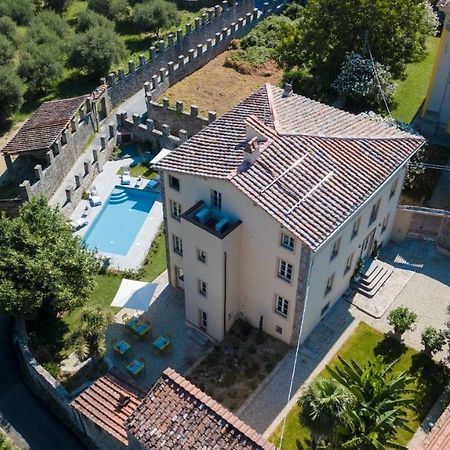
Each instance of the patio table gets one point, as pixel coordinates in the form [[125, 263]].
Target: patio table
[[135, 367], [122, 347], [141, 329], [131, 323], [161, 343]]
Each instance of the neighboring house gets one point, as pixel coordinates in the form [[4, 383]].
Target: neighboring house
[[269, 208], [439, 436], [173, 415]]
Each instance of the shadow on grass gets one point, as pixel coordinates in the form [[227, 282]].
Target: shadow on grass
[[390, 349], [432, 378], [76, 84]]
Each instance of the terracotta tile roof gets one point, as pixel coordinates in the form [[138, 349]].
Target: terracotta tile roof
[[439, 437], [46, 124], [329, 173], [108, 403], [177, 415]]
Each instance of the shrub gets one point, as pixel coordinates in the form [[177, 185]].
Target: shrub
[[53, 22], [89, 19], [8, 28], [58, 6], [11, 92], [251, 370], [6, 50], [154, 15], [433, 340], [116, 10], [21, 11], [260, 338], [401, 319]]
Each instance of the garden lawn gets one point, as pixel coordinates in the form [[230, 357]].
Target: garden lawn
[[412, 90], [155, 263], [364, 344], [141, 170]]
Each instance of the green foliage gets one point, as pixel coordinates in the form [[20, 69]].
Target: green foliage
[[116, 10], [11, 92], [43, 264], [327, 30], [59, 6], [89, 338], [401, 319], [40, 68], [55, 25], [21, 11], [433, 340], [96, 50], [89, 19], [8, 28], [6, 50], [153, 15], [252, 56]]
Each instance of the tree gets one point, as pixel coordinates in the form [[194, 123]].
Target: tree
[[21, 11], [116, 10], [43, 265], [89, 19], [49, 28], [6, 50], [96, 50], [40, 67], [357, 80], [433, 340], [327, 30], [324, 406], [11, 93], [59, 6], [401, 319], [153, 15], [89, 338], [8, 28]]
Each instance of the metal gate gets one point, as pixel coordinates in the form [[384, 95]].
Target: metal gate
[[424, 227]]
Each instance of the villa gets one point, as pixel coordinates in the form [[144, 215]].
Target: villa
[[269, 209]]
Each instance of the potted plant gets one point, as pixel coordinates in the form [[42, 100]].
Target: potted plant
[[401, 319], [433, 340]]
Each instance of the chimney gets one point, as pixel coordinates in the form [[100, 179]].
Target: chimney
[[287, 90], [123, 401], [251, 150]]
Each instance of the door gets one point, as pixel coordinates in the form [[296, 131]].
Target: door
[[179, 277], [367, 245]]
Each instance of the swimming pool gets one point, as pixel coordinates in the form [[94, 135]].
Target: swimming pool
[[118, 223]]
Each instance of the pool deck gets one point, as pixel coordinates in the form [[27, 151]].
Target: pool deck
[[105, 183]]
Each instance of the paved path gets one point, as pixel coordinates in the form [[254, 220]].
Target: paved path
[[427, 293], [33, 421], [441, 195]]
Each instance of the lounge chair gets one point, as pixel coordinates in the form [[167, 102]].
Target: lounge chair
[[94, 198], [153, 183], [80, 223], [126, 179]]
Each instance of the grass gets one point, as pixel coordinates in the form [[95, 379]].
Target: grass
[[155, 263], [412, 90], [364, 344], [141, 170], [5, 442]]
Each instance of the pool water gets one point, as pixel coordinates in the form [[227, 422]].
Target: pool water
[[116, 227]]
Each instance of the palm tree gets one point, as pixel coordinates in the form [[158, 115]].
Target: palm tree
[[89, 338], [381, 398], [324, 406]]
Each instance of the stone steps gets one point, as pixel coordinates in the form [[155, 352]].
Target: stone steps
[[373, 280]]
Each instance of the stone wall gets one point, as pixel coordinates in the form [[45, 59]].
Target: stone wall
[[189, 51]]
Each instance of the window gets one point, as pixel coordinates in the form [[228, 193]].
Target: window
[[203, 320], [335, 250], [285, 270], [281, 306], [73, 126], [385, 223], [177, 245], [329, 284], [176, 210], [287, 241], [374, 213], [201, 255], [325, 309], [174, 183], [348, 264], [278, 330], [393, 188], [356, 227], [216, 199], [202, 288]]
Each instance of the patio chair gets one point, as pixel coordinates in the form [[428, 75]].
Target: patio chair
[[126, 178], [79, 223], [153, 183]]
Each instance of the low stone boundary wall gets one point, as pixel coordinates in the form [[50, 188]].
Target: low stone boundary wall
[[45, 387]]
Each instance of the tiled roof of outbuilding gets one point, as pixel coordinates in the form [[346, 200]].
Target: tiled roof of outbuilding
[[439, 437], [175, 414], [108, 403], [46, 124], [317, 167]]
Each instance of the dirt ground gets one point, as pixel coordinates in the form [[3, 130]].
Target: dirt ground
[[218, 88]]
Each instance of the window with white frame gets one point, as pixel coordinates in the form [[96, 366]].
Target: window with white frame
[[355, 229], [287, 241], [216, 199], [177, 245], [329, 286], [385, 223], [284, 270], [202, 288], [393, 188], [374, 213], [335, 250], [203, 320], [176, 210], [348, 264], [201, 255], [174, 183], [281, 305]]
